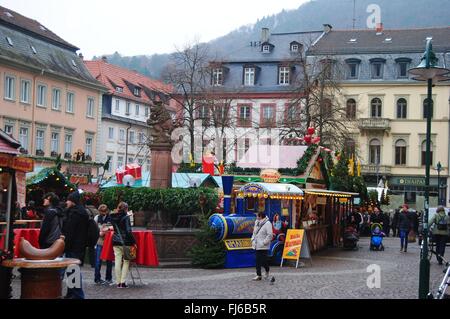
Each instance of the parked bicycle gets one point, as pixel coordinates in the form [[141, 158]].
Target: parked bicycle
[[442, 289]]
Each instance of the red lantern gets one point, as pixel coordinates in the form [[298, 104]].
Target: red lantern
[[311, 130], [308, 139]]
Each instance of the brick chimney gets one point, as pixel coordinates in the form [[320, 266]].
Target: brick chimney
[[379, 28], [80, 55]]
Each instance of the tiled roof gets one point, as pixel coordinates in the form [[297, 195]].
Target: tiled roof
[[112, 76], [8, 145], [251, 51], [18, 21], [388, 41], [42, 56]]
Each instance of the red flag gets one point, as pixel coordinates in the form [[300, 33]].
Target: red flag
[[208, 165]]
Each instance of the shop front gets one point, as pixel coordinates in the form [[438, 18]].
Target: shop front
[[411, 190]]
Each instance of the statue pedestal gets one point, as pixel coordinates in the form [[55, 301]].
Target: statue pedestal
[[161, 170], [41, 279]]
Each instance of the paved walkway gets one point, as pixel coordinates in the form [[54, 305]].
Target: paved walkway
[[335, 273]]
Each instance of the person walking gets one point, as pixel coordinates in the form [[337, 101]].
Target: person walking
[[122, 237], [404, 225], [261, 239], [440, 231], [103, 221], [75, 229], [52, 224], [395, 231]]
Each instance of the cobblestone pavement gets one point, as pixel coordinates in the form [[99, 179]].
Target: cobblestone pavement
[[334, 273]]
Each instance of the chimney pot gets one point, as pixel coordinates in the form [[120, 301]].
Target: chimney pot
[[80, 55], [327, 28], [105, 59], [265, 34]]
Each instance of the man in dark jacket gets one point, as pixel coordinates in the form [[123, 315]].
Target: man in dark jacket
[[395, 222], [75, 229], [51, 228], [404, 225], [377, 217]]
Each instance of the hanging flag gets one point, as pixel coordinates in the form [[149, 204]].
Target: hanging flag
[[351, 166], [208, 164]]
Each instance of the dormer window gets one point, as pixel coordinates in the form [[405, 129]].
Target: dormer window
[[402, 67], [353, 68], [137, 91], [266, 47], [377, 67], [295, 47], [119, 89]]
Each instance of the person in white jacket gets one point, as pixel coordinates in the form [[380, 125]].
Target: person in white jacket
[[261, 239]]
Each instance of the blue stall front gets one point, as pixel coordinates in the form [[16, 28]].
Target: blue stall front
[[277, 201]]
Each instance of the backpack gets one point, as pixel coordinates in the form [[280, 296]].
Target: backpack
[[442, 224], [93, 231]]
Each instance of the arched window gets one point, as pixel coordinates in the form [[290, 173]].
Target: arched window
[[351, 109], [425, 108], [400, 152], [350, 147], [374, 151], [424, 152], [375, 107], [402, 108]]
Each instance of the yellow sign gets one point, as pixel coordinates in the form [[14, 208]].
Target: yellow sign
[[270, 176], [238, 244], [293, 244]]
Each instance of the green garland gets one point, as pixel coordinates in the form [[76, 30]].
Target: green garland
[[303, 162]]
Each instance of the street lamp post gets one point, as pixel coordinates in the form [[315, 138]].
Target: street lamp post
[[428, 71]]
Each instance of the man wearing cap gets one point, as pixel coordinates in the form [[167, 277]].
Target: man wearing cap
[[440, 231], [75, 229]]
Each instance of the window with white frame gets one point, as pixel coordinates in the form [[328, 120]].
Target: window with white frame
[[137, 110], [244, 114], [41, 95], [377, 70], [88, 148], [70, 102], [110, 159], [10, 87], [23, 137], [119, 89], [284, 75], [294, 47], [25, 91], [117, 105], [119, 162], [9, 129], [111, 133], [128, 108], [54, 145], [40, 134], [141, 138], [266, 48], [121, 135], [218, 76], [90, 107], [68, 143], [137, 91], [147, 111], [268, 113], [56, 99], [375, 152], [249, 76], [131, 137]]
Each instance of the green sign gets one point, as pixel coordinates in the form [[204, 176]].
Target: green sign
[[411, 181]]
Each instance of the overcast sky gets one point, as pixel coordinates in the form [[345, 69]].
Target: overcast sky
[[134, 27]]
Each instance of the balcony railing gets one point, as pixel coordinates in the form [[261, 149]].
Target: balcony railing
[[373, 169], [375, 124]]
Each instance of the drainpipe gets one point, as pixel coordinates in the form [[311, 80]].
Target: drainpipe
[[126, 146]]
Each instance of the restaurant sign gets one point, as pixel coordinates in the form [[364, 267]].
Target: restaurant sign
[[22, 164], [79, 169], [270, 176], [411, 181]]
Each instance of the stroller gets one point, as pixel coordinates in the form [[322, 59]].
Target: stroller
[[376, 238], [350, 238]]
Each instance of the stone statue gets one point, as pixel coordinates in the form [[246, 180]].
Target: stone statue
[[161, 124]]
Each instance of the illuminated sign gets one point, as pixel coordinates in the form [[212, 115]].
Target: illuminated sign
[[270, 176]]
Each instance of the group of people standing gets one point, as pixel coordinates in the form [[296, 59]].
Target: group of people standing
[[75, 222]]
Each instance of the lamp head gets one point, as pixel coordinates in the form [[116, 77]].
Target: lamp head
[[428, 68]]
